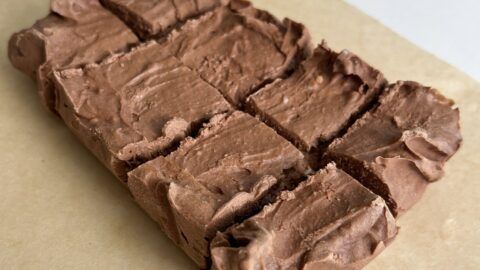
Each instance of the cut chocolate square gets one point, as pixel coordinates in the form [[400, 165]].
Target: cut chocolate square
[[235, 165], [320, 98], [154, 18], [402, 145], [239, 48], [76, 33], [329, 221], [135, 106]]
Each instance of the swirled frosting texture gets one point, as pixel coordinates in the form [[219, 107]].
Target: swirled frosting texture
[[328, 222], [135, 105], [403, 144], [226, 173], [317, 102], [152, 18], [76, 33], [238, 48]]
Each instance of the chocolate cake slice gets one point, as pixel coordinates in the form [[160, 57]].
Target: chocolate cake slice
[[154, 18], [135, 106], [402, 145], [238, 48], [76, 33], [319, 100], [235, 165], [329, 221]]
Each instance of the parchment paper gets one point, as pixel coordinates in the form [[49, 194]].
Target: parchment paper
[[60, 209]]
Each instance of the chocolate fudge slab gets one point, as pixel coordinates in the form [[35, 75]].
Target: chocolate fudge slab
[[238, 48], [402, 145], [153, 18], [318, 101], [228, 172], [329, 222], [135, 106], [76, 33]]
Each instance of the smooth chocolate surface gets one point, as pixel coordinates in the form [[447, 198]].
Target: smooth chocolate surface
[[134, 106], [239, 48], [153, 18], [402, 145], [328, 222], [227, 172], [318, 101], [76, 33]]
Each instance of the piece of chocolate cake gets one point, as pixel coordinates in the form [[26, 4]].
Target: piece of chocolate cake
[[135, 106], [229, 171], [76, 33], [329, 221], [154, 18], [319, 100], [238, 48], [402, 145]]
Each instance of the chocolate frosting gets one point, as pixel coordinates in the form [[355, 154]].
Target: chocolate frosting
[[328, 222], [239, 48], [403, 144], [318, 101], [76, 33], [134, 106], [234, 165], [152, 18]]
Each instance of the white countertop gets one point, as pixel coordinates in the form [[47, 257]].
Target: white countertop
[[448, 29]]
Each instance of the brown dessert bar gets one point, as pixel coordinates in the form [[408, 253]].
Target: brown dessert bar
[[76, 33], [228, 172], [329, 222], [153, 18], [239, 48], [318, 101], [402, 145], [135, 106], [232, 191]]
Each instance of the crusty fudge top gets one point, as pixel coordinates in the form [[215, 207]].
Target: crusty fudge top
[[330, 221], [238, 48], [140, 102], [317, 102]]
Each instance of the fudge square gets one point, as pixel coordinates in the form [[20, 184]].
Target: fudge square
[[402, 145], [238, 48], [318, 101], [235, 165], [329, 221], [76, 33], [153, 18], [135, 106]]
